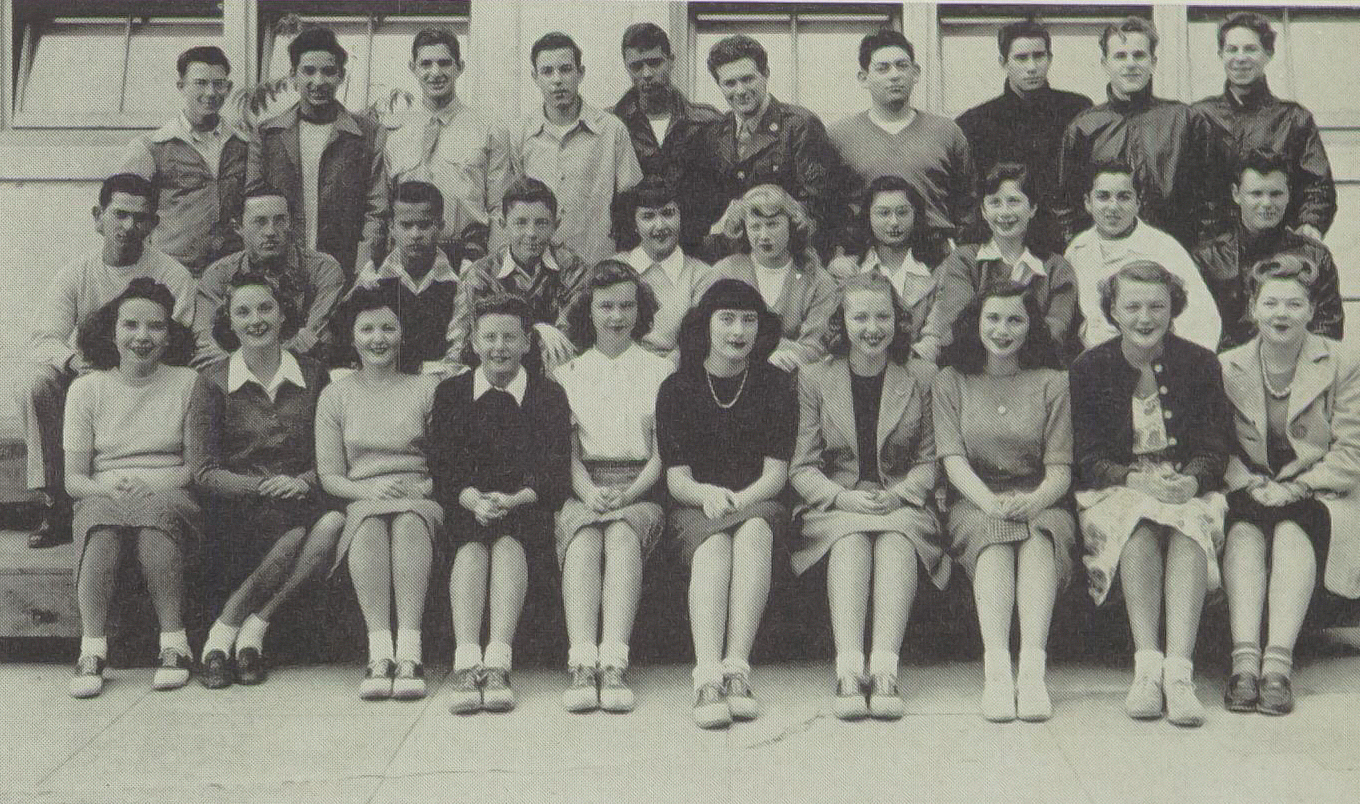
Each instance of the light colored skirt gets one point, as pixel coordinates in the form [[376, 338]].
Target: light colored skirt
[[971, 530], [692, 528], [173, 512], [1110, 515], [360, 510], [643, 516], [822, 529]]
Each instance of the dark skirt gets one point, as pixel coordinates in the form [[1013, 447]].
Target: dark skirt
[[528, 524], [173, 512], [1309, 513], [251, 527], [692, 528]]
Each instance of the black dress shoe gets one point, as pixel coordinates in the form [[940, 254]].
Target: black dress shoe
[[215, 672], [1277, 695], [1242, 693], [250, 667], [52, 530]]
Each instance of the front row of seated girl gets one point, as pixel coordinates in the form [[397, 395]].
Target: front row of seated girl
[[1150, 444]]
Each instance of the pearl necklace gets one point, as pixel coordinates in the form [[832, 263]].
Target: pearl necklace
[[1265, 380], [714, 392]]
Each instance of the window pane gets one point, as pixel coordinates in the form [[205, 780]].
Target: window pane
[[773, 36], [67, 49], [353, 37], [153, 50], [828, 66], [972, 73], [1325, 84]]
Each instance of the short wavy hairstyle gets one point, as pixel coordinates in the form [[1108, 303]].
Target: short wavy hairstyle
[[770, 200], [221, 326], [606, 274], [1253, 22], [725, 294], [735, 48], [966, 353], [1124, 27], [505, 304], [1288, 267], [652, 191], [1142, 271], [836, 340], [384, 294], [95, 337], [924, 244]]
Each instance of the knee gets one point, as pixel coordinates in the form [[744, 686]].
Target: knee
[[619, 536], [408, 523], [587, 541], [328, 526], [754, 534]]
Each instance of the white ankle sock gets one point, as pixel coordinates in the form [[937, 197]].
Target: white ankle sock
[[883, 663], [732, 665], [707, 674], [1033, 664], [379, 645], [466, 657], [1177, 668], [850, 663], [614, 654], [497, 655], [583, 656], [220, 637], [94, 646], [177, 640], [408, 645], [252, 633], [1148, 663], [996, 664]]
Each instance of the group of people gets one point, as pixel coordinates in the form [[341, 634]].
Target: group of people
[[462, 347]]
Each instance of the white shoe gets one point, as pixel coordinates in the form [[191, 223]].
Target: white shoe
[[1182, 705], [998, 699], [1032, 703], [1145, 699]]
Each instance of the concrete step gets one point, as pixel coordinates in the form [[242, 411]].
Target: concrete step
[[37, 588]]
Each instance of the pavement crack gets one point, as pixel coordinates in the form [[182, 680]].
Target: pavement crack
[[797, 727]]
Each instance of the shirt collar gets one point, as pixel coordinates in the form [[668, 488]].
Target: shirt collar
[[910, 265], [179, 129], [508, 264], [589, 118], [445, 115], [672, 265], [1027, 265], [393, 268], [238, 374], [518, 385]]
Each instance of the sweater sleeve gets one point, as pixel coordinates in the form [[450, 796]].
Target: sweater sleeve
[[1058, 426], [1091, 442], [947, 415], [1212, 427], [450, 461], [203, 447], [550, 476]]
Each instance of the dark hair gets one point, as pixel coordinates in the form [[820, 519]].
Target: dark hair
[[528, 190], [1262, 160], [265, 191], [128, 184], [1022, 29], [311, 39], [1126, 26], [437, 36], [1253, 22], [736, 48], [203, 54], [725, 294], [838, 343], [554, 41], [385, 293], [606, 274], [1011, 171], [883, 37], [1100, 168], [420, 192], [645, 36], [221, 327], [1142, 271], [923, 243], [966, 354], [652, 191], [1289, 267], [95, 338], [505, 304]]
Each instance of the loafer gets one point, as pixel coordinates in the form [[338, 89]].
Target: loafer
[[885, 702], [583, 692], [497, 694], [408, 681], [466, 697], [377, 683], [215, 670], [88, 679], [710, 707], [1277, 695], [250, 668], [172, 670], [740, 701], [852, 701], [615, 694], [1242, 692]]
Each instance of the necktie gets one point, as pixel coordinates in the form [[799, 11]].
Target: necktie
[[744, 132], [429, 139]]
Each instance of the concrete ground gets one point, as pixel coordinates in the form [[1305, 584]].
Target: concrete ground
[[304, 736]]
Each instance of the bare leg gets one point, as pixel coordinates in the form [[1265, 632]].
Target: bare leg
[[467, 592], [98, 577], [994, 595], [1244, 579], [622, 583], [1036, 588], [370, 569], [1140, 572], [1293, 576], [509, 580], [163, 567], [847, 591], [1186, 569], [752, 545], [317, 551], [709, 584], [895, 578], [266, 579], [581, 573], [412, 554]]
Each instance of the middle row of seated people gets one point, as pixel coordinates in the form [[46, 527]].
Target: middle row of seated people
[[481, 464]]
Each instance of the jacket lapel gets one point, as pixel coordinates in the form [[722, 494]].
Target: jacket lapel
[[1312, 377], [727, 140], [839, 401], [1242, 381], [896, 387]]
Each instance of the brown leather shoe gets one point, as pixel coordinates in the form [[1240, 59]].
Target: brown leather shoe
[[1277, 695], [1242, 693], [214, 670]]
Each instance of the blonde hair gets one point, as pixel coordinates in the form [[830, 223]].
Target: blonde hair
[[769, 200]]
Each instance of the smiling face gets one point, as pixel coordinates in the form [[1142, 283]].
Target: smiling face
[[377, 337], [1244, 57], [204, 88], [124, 223], [415, 231], [769, 238], [732, 334], [1003, 326], [1008, 211], [318, 75], [1142, 312], [265, 225], [558, 77], [1282, 311], [501, 343], [870, 322], [891, 218], [529, 229], [1113, 204], [659, 229], [1129, 62], [255, 316], [436, 71], [1027, 64], [891, 76], [1262, 199], [650, 70], [141, 333], [742, 85], [614, 312]]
